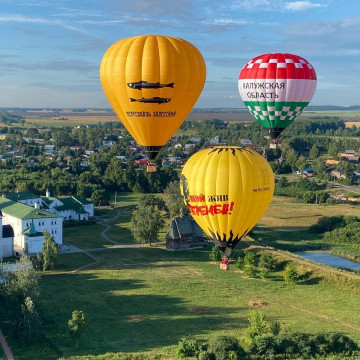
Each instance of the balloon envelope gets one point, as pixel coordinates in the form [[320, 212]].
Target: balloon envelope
[[227, 190], [276, 88], [152, 82]]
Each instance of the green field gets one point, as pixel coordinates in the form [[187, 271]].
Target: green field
[[285, 223], [337, 113], [144, 300]]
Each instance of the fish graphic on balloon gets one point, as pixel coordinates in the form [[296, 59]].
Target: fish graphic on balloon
[[154, 100], [148, 85]]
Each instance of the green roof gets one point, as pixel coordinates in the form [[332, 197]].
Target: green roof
[[22, 211], [81, 200], [70, 204], [31, 231], [22, 195], [48, 200]]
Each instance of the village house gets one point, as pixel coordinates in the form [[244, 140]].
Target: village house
[[338, 174], [275, 144], [350, 155], [245, 141], [184, 233], [330, 162]]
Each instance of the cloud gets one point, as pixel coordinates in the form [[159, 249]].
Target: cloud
[[79, 66], [227, 22], [251, 4], [21, 19], [159, 7], [301, 5], [275, 5], [346, 29]]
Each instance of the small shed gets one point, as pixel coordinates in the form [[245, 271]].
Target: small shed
[[184, 233]]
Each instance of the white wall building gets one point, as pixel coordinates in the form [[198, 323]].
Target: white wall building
[[6, 239], [70, 208], [29, 223]]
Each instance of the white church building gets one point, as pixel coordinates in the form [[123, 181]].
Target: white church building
[[26, 225]]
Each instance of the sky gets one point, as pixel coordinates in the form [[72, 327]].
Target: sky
[[50, 50]]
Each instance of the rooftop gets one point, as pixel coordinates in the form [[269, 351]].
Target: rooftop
[[21, 195], [22, 211]]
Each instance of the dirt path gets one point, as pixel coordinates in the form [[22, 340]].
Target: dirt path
[[108, 227], [5, 346]]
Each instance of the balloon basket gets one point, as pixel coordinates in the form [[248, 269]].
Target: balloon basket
[[224, 266], [151, 167]]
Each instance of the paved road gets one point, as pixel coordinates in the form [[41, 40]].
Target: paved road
[[347, 188]]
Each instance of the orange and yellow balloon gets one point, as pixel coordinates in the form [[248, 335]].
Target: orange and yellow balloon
[[227, 190], [152, 82]]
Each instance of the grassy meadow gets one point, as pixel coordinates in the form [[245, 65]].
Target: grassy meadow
[[285, 223], [143, 300]]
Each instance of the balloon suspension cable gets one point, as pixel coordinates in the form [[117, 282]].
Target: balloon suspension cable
[[275, 132], [151, 151]]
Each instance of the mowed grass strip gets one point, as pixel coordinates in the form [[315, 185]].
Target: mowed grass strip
[[145, 300], [86, 237]]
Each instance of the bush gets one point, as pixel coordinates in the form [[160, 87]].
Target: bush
[[263, 345], [290, 274], [215, 254], [204, 355], [225, 348], [267, 261], [250, 258], [257, 325], [249, 271], [240, 263], [329, 223], [187, 347]]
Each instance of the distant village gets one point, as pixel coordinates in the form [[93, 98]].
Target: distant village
[[25, 215]]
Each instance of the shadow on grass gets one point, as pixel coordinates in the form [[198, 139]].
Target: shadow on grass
[[122, 317], [142, 258]]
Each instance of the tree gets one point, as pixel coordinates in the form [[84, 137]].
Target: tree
[[314, 152], [174, 200], [257, 325], [100, 198], [152, 201], [301, 163], [146, 224], [21, 283], [77, 325], [333, 149], [28, 327], [49, 252]]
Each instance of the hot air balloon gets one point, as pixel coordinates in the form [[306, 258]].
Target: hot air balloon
[[276, 88], [152, 82], [227, 190]]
